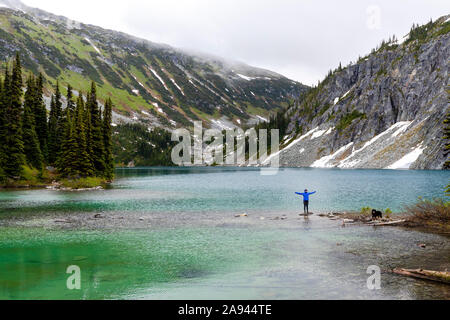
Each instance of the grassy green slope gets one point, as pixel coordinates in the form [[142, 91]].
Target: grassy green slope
[[174, 87]]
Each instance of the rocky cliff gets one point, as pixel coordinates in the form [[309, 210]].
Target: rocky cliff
[[385, 111]]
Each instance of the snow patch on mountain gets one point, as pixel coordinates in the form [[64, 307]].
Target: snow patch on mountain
[[289, 146], [93, 45], [176, 85], [245, 77], [394, 131], [158, 108], [159, 78], [262, 118], [318, 134], [327, 161], [138, 81], [407, 161]]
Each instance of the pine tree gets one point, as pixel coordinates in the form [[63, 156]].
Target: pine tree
[[83, 161], [55, 127], [40, 116], [107, 140], [52, 131], [61, 115], [32, 149], [14, 153], [2, 134], [98, 150], [65, 162], [70, 102], [88, 129]]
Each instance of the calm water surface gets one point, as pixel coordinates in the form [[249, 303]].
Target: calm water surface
[[196, 249]]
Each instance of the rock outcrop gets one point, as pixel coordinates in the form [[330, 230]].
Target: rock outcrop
[[385, 111]]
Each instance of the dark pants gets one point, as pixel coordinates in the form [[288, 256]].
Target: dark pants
[[306, 206]]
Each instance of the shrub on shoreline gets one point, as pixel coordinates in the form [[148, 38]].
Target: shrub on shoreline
[[83, 183], [430, 213], [33, 178]]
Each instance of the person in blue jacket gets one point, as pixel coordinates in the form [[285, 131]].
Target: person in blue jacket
[[306, 195]]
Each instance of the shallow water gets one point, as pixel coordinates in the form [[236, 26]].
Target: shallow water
[[194, 247]]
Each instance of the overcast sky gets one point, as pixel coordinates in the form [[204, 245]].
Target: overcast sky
[[300, 39]]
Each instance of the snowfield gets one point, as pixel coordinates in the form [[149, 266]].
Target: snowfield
[[176, 85], [327, 161], [159, 78], [245, 77], [407, 161], [303, 151]]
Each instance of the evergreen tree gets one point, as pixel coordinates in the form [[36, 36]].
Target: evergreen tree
[[40, 116], [66, 158], [96, 142], [2, 134], [88, 129], [32, 149], [70, 102], [55, 127], [107, 140], [83, 161], [52, 131], [76, 140], [61, 115], [14, 153]]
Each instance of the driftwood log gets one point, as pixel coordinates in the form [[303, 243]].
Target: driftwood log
[[390, 223], [439, 276]]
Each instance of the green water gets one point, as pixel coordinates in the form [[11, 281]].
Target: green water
[[172, 234]]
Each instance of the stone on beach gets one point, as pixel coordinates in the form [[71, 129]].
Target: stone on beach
[[241, 215]]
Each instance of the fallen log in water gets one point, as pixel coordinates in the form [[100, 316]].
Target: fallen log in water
[[439, 276], [390, 223]]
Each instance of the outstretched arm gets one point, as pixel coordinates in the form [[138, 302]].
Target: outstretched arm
[[313, 192], [300, 194]]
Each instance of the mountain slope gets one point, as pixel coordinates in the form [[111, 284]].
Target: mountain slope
[[385, 111], [147, 81]]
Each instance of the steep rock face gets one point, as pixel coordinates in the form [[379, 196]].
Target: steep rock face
[[386, 111], [151, 82]]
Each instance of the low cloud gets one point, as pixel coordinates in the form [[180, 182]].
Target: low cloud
[[300, 39]]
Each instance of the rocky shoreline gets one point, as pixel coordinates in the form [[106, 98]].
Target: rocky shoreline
[[146, 220], [398, 220]]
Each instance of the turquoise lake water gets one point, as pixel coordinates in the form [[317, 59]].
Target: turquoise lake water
[[172, 234], [214, 189]]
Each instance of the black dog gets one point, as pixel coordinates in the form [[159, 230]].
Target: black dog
[[376, 214]]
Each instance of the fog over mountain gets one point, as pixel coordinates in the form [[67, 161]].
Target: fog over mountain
[[298, 39], [150, 82]]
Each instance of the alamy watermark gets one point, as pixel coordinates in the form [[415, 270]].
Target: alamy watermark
[[74, 280], [213, 147], [374, 281], [373, 17]]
